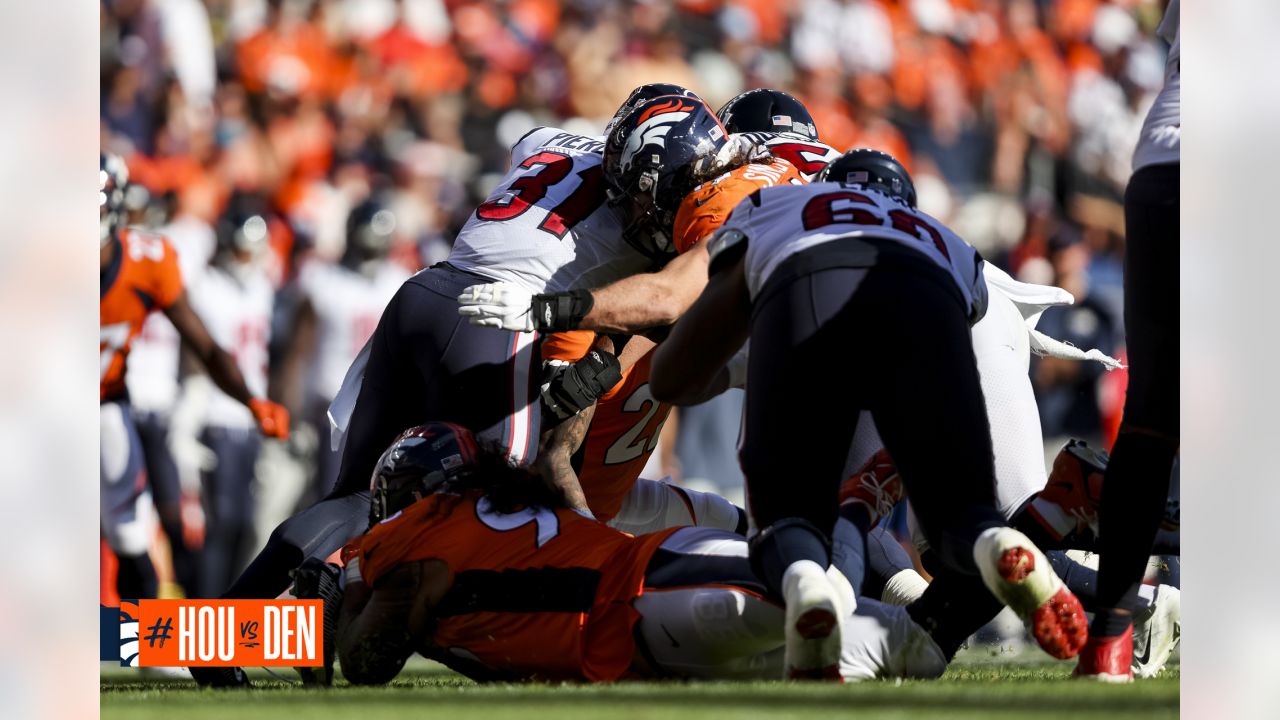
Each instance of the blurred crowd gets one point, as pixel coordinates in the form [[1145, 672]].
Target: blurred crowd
[[255, 130]]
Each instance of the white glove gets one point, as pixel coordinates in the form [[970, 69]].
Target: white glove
[[497, 305]]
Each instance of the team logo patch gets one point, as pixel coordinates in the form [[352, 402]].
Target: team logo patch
[[213, 633]]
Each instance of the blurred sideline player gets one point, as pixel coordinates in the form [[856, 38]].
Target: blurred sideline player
[[139, 273], [235, 297], [544, 228], [487, 575], [1137, 480], [153, 395], [339, 310], [809, 271]]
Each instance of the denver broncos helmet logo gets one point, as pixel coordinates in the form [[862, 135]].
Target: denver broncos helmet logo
[[653, 126]]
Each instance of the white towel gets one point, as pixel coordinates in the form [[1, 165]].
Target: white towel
[[1032, 301]]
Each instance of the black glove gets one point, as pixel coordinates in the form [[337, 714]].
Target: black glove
[[559, 312], [316, 579], [569, 388]]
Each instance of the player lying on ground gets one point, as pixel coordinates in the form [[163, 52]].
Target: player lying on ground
[[470, 566]]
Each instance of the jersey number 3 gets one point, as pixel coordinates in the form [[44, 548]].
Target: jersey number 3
[[548, 169], [546, 522]]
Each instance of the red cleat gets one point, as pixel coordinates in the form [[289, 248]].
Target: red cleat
[[1108, 659], [1015, 571]]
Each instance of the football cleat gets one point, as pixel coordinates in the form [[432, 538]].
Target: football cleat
[[813, 619], [1156, 632], [1069, 501], [1107, 659], [876, 485], [1017, 573]]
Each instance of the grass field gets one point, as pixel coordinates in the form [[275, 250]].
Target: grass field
[[977, 686]]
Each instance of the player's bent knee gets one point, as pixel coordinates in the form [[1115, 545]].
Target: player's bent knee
[[711, 510]]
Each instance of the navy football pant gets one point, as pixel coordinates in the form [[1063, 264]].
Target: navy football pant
[[425, 364]]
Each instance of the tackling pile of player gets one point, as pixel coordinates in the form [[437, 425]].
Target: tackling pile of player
[[511, 394]]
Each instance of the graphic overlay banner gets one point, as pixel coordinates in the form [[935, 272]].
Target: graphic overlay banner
[[215, 633]]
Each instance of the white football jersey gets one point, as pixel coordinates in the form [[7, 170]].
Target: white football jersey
[[237, 313], [1161, 139], [780, 221], [153, 360], [348, 306], [809, 156], [546, 227]]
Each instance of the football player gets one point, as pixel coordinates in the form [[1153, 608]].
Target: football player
[[235, 297], [546, 227], [1137, 482], [809, 271], [469, 566], [340, 307], [139, 273], [781, 124]]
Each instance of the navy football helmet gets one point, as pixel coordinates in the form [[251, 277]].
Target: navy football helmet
[[765, 110], [423, 460], [874, 169], [643, 93], [371, 227], [113, 176], [655, 155]]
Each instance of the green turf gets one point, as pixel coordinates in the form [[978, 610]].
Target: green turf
[[977, 686]]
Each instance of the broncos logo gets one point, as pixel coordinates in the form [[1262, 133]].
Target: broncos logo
[[654, 124], [129, 633]]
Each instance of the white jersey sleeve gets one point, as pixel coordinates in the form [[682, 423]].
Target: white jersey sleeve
[[1161, 139], [546, 226], [781, 221], [809, 156]]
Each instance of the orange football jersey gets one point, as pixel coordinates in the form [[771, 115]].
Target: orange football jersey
[[709, 205], [142, 277], [538, 593], [623, 432]]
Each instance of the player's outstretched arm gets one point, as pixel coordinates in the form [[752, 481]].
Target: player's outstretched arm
[[379, 627], [629, 305], [649, 300], [702, 343], [272, 419]]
